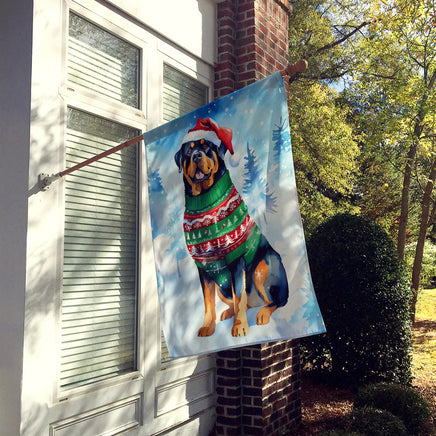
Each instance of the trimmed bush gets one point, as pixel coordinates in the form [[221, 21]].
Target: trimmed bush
[[341, 433], [375, 422], [402, 401], [364, 300]]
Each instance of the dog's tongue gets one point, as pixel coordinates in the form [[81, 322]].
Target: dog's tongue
[[199, 174]]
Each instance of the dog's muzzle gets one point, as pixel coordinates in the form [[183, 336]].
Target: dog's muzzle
[[196, 158]]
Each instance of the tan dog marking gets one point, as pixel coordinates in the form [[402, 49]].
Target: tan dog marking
[[196, 188], [260, 274], [240, 325], [264, 315], [207, 166], [209, 323], [228, 313]]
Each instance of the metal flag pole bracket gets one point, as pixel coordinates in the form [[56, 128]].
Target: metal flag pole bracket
[[45, 180]]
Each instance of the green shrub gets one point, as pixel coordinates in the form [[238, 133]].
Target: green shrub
[[402, 401], [375, 422], [340, 432], [364, 300]]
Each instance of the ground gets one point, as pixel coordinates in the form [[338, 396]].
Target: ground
[[323, 407]]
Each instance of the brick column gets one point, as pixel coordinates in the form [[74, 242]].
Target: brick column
[[252, 42], [258, 387]]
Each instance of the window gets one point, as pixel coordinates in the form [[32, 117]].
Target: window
[[181, 95], [101, 62], [99, 297]]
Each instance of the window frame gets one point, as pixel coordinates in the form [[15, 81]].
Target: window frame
[[154, 53], [76, 97]]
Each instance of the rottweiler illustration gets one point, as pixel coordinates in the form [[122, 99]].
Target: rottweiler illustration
[[234, 259]]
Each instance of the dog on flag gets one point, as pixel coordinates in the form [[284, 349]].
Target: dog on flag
[[234, 259]]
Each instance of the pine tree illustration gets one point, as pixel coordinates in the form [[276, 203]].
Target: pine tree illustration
[[278, 137], [271, 200], [252, 172], [156, 182], [254, 183], [157, 200]]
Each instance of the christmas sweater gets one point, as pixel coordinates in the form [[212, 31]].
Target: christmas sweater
[[218, 229]]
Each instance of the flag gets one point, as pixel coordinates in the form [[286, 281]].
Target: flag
[[228, 241]]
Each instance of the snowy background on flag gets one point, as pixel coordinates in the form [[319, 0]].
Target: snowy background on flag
[[262, 171]]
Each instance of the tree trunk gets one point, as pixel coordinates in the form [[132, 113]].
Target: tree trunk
[[417, 131], [404, 214], [425, 224]]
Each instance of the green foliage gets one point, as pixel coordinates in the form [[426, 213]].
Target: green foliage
[[375, 422], [428, 271], [340, 432], [325, 153], [363, 298], [393, 96], [324, 147], [402, 401]]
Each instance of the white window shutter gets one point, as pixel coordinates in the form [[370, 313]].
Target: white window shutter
[[99, 289], [100, 246]]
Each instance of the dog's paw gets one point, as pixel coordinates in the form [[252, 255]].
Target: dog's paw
[[206, 331], [264, 315], [240, 329]]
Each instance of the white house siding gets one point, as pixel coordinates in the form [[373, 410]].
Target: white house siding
[[177, 398]]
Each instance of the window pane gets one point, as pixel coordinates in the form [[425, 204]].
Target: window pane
[[181, 94], [102, 62], [100, 251]]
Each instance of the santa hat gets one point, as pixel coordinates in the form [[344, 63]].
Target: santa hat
[[209, 130]]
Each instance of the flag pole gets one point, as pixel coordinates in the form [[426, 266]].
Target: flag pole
[[45, 180]]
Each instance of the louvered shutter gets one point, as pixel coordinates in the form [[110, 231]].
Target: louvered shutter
[[99, 298], [181, 94], [100, 245]]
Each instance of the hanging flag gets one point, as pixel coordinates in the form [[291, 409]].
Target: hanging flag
[[228, 240]]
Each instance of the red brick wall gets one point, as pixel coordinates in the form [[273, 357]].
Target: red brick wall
[[252, 42], [258, 387]]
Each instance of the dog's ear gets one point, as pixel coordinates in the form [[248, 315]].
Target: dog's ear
[[222, 150], [178, 159]]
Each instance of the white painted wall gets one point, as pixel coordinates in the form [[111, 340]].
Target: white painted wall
[[15, 70], [190, 24]]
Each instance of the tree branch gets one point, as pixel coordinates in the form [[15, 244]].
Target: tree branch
[[381, 76], [429, 136], [341, 40]]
